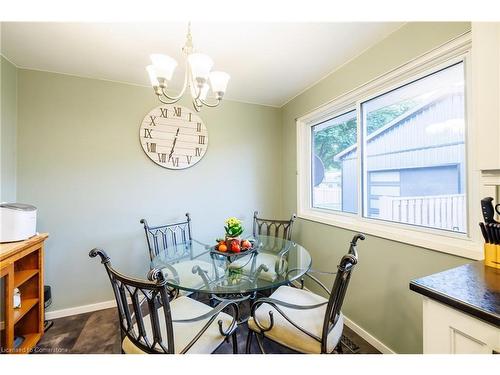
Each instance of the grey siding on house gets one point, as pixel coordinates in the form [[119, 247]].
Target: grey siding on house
[[411, 144], [411, 133]]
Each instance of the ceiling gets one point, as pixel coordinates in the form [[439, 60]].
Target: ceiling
[[269, 63]]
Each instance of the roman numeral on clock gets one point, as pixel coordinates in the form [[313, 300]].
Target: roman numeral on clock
[[164, 112], [190, 114], [197, 152], [198, 127], [152, 118], [201, 139], [151, 147], [177, 111], [175, 162], [189, 157], [147, 133], [162, 157]]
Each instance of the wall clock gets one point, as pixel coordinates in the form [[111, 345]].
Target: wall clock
[[173, 136]]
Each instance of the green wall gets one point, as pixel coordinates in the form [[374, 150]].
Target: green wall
[[80, 162], [378, 299], [8, 130]]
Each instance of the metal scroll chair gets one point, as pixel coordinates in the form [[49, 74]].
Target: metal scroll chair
[[161, 237], [301, 320], [152, 323], [282, 231], [166, 238], [272, 227]]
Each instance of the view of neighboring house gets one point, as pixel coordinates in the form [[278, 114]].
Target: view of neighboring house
[[415, 166]]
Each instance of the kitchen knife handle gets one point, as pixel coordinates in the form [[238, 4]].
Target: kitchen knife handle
[[492, 233], [497, 232], [484, 232], [488, 210]]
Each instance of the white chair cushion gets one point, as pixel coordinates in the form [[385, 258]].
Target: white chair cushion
[[185, 308], [311, 320], [270, 260]]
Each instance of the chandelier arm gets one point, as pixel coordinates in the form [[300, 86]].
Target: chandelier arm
[[178, 96], [197, 107], [210, 105], [165, 101], [198, 90], [172, 99]]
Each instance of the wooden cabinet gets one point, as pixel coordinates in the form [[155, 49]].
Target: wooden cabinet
[[449, 331], [21, 266]]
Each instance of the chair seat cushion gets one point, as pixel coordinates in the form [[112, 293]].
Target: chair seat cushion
[[185, 308], [311, 320]]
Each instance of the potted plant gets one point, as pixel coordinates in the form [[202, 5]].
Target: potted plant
[[234, 229]]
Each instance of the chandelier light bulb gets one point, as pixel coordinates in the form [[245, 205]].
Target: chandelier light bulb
[[152, 75], [201, 65], [164, 66], [218, 81]]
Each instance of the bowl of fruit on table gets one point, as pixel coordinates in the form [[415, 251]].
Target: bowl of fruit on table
[[232, 246]]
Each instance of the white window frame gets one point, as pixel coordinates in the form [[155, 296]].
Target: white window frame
[[466, 245]]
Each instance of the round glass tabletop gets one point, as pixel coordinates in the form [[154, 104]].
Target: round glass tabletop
[[196, 267]]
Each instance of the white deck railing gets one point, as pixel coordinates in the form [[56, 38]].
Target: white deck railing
[[328, 195], [439, 211]]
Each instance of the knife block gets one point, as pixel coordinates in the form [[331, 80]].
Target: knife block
[[492, 255]]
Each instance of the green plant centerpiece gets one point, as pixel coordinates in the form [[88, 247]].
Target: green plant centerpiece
[[233, 228]]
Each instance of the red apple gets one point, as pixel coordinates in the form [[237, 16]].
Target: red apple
[[245, 244]]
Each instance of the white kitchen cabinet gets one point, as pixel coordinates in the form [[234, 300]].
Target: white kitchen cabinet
[[486, 93], [449, 331]]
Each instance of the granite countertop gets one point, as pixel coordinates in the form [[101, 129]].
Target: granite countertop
[[472, 288]]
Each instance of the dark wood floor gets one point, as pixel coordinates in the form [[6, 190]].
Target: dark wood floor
[[97, 332]]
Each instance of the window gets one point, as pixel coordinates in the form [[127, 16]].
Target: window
[[389, 158], [414, 152], [334, 182]]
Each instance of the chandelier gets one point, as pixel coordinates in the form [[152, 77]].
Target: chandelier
[[197, 77]]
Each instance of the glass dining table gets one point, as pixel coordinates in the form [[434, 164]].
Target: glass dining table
[[196, 267]]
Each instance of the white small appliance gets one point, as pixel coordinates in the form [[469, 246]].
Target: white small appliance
[[17, 221]]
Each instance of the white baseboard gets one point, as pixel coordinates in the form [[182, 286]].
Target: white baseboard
[[372, 340], [80, 309]]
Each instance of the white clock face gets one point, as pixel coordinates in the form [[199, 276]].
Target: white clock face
[[173, 136]]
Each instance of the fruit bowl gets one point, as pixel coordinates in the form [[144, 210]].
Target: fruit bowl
[[234, 246]]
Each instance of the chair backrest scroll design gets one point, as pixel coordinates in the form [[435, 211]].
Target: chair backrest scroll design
[[160, 238], [138, 300], [271, 227], [339, 289]]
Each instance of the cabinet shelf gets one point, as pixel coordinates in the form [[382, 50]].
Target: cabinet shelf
[[26, 305], [29, 342], [20, 277]]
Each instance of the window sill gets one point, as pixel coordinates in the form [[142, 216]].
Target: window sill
[[426, 238]]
